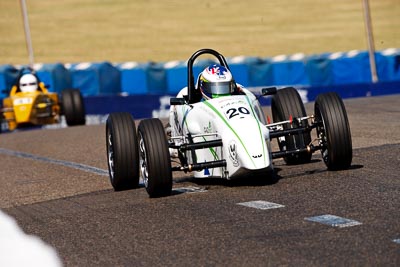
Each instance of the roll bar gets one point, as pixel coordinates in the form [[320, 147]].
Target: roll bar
[[191, 85]]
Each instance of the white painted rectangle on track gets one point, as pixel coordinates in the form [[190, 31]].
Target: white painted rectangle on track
[[262, 205], [333, 220]]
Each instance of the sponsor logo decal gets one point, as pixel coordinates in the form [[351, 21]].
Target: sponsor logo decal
[[217, 71], [163, 110], [208, 129], [23, 101], [233, 153]]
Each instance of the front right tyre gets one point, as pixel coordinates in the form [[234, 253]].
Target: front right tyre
[[286, 104], [333, 131]]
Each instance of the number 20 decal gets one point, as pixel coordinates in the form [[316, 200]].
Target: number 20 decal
[[232, 112]]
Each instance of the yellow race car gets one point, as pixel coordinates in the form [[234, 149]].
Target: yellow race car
[[30, 103]]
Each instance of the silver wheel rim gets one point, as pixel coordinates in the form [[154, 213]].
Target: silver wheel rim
[[110, 155], [322, 138], [142, 161]]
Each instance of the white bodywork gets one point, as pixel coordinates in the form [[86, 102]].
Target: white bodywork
[[237, 120]]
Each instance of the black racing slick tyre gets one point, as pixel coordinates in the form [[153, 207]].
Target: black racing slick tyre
[[287, 104], [2, 121], [122, 151], [333, 131], [155, 161], [73, 107]]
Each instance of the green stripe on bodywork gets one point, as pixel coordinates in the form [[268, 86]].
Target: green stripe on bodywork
[[212, 151], [186, 112], [184, 122], [229, 126]]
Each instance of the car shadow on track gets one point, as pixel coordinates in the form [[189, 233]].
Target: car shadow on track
[[254, 180], [315, 166]]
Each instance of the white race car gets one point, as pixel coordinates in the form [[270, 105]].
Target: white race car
[[226, 136]]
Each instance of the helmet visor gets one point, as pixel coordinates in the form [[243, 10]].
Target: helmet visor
[[219, 88]]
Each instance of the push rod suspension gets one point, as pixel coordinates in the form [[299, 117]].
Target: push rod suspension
[[284, 153], [200, 166], [199, 145]]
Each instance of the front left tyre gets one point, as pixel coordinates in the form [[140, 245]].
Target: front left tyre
[[122, 151], [155, 161]]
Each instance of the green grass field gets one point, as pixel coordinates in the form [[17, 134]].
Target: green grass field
[[162, 30]]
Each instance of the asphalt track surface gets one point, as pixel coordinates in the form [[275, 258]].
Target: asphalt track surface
[[54, 183]]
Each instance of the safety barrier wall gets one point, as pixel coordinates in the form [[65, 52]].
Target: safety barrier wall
[[132, 78], [146, 106]]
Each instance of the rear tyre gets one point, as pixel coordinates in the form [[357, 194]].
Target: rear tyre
[[122, 151], [2, 120], [73, 107], [155, 161], [333, 131], [287, 103]]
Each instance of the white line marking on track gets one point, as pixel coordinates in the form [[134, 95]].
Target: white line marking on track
[[262, 205], [333, 220], [64, 163], [396, 240]]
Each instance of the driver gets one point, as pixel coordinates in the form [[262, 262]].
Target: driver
[[215, 81], [28, 83]]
